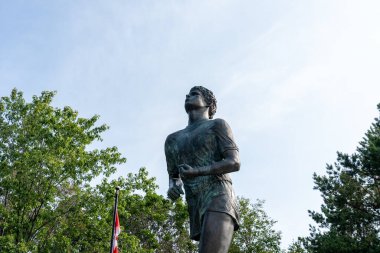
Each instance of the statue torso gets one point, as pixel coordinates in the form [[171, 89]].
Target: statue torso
[[199, 144]]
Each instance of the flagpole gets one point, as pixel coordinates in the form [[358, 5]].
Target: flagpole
[[114, 217]]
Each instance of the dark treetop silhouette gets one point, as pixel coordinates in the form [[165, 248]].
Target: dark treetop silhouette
[[201, 156]]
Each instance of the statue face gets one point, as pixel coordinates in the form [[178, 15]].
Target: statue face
[[194, 100]]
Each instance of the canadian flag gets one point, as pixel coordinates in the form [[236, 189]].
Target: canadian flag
[[116, 233]]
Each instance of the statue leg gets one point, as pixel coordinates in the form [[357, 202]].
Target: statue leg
[[216, 234]]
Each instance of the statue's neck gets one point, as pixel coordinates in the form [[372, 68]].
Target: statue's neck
[[196, 116]]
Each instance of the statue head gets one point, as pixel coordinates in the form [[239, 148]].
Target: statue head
[[208, 98]]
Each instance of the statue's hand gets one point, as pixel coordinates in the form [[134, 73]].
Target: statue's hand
[[186, 171], [175, 188]]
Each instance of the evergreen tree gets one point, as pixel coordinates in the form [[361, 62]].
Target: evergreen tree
[[350, 216]]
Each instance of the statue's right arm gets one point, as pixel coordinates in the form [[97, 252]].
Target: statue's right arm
[[175, 188], [175, 182]]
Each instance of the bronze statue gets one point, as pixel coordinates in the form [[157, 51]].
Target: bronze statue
[[199, 158]]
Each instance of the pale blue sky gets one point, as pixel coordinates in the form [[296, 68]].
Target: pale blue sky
[[296, 80]]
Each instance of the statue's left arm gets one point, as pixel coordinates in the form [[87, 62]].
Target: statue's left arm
[[228, 149], [230, 163]]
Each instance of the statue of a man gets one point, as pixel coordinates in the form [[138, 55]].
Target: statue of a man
[[199, 157]]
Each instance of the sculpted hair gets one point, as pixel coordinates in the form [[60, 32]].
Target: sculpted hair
[[210, 99]]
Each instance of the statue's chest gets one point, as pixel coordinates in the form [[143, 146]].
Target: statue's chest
[[198, 140]]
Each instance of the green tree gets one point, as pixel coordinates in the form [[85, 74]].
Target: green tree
[[46, 201], [296, 247], [350, 216], [44, 161], [149, 222], [155, 223], [256, 233]]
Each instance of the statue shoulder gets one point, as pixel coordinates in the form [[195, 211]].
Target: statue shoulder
[[173, 137], [220, 123], [221, 126]]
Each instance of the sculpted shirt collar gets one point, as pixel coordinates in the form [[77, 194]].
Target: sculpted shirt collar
[[196, 123]]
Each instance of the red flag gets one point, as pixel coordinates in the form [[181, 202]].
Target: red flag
[[116, 233]]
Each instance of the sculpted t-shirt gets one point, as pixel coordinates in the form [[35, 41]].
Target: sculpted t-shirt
[[199, 144]]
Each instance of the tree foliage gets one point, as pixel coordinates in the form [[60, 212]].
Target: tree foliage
[[43, 161], [46, 201], [256, 233], [155, 223], [149, 222], [350, 216], [296, 247]]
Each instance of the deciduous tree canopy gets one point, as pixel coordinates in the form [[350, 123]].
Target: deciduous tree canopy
[[44, 162], [256, 233]]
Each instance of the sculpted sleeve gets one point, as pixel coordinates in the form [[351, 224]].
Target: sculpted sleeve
[[170, 153], [224, 136]]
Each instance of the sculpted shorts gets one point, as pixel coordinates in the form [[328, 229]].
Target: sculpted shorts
[[217, 197]]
